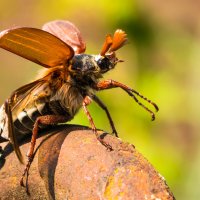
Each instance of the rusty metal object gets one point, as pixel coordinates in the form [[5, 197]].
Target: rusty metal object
[[72, 164]]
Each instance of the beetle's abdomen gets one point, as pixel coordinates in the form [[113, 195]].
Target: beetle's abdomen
[[66, 101], [25, 119]]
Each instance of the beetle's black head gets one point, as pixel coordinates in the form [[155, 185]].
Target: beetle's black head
[[83, 64], [107, 62], [95, 65]]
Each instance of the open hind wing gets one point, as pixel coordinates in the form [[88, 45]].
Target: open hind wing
[[67, 32]]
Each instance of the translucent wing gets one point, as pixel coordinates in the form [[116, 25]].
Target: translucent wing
[[22, 95], [36, 45], [67, 32]]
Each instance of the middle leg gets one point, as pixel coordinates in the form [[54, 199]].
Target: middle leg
[[85, 103], [45, 120]]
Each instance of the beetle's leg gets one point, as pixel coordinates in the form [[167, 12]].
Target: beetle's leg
[[45, 120], [85, 103], [108, 84], [103, 106]]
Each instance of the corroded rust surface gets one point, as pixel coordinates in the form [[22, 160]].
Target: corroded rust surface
[[71, 164]]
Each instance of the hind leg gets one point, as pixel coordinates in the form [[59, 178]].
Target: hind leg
[[45, 120]]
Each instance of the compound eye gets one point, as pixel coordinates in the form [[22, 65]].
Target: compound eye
[[104, 64]]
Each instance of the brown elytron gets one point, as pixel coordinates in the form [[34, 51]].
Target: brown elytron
[[68, 82]]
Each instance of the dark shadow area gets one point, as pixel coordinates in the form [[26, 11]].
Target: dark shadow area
[[103, 135], [4, 153]]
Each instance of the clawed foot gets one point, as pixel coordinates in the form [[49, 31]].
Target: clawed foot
[[115, 133], [26, 175]]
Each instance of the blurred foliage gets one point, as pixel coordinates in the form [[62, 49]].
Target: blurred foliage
[[162, 62]]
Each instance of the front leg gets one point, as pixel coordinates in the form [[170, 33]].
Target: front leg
[[42, 120], [108, 84]]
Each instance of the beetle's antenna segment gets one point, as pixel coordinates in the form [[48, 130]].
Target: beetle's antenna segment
[[119, 40], [112, 44], [106, 45]]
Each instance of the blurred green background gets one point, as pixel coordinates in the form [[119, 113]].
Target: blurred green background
[[161, 61]]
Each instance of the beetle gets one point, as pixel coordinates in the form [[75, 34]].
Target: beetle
[[69, 81]]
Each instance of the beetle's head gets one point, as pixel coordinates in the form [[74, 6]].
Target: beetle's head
[[87, 65]]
